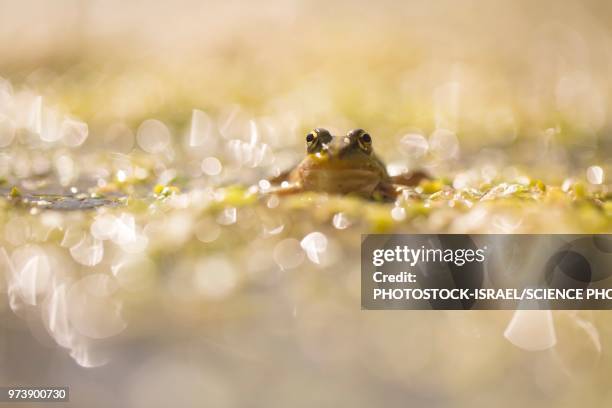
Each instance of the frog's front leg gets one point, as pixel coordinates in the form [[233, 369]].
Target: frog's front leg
[[410, 179], [284, 184], [385, 191], [391, 189], [282, 177], [285, 188]]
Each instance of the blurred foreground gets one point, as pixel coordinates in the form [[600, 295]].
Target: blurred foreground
[[185, 285]]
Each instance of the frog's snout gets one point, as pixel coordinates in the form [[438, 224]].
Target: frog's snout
[[337, 147]]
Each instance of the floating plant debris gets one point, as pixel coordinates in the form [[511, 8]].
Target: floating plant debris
[[142, 249]]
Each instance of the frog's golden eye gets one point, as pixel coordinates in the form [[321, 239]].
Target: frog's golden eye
[[323, 135], [365, 142], [313, 142], [317, 140]]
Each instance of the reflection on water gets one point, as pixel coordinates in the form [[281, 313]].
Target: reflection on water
[[143, 264]]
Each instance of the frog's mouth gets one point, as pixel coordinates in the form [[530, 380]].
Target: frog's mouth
[[341, 180]]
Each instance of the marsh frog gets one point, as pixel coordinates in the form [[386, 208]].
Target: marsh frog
[[343, 165]]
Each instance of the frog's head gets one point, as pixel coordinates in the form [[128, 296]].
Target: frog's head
[[317, 140], [341, 163], [356, 145]]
